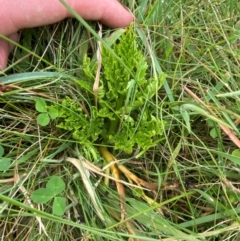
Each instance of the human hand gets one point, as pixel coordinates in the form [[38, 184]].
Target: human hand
[[19, 14]]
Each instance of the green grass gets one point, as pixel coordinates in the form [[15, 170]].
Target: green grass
[[196, 44]]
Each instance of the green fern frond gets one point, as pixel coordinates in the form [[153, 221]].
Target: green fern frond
[[122, 118]]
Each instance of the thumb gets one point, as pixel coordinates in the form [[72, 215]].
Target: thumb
[[5, 49]]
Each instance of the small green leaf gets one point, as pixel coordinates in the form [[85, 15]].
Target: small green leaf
[[138, 192], [5, 163], [59, 206], [214, 133], [53, 112], [236, 152], [1, 151], [42, 195], [41, 105], [43, 119], [56, 185]]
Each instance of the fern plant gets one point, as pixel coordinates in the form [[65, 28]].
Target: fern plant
[[122, 118]]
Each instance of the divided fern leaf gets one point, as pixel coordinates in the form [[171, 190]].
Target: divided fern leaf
[[122, 118]]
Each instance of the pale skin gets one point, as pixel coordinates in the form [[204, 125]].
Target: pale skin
[[21, 14]]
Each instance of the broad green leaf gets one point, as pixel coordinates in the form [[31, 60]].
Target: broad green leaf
[[59, 206], [5, 163], [1, 151], [42, 195], [53, 112], [41, 105], [43, 119], [56, 185]]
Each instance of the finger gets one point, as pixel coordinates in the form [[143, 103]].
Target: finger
[[15, 38], [5, 49], [109, 12], [18, 14]]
